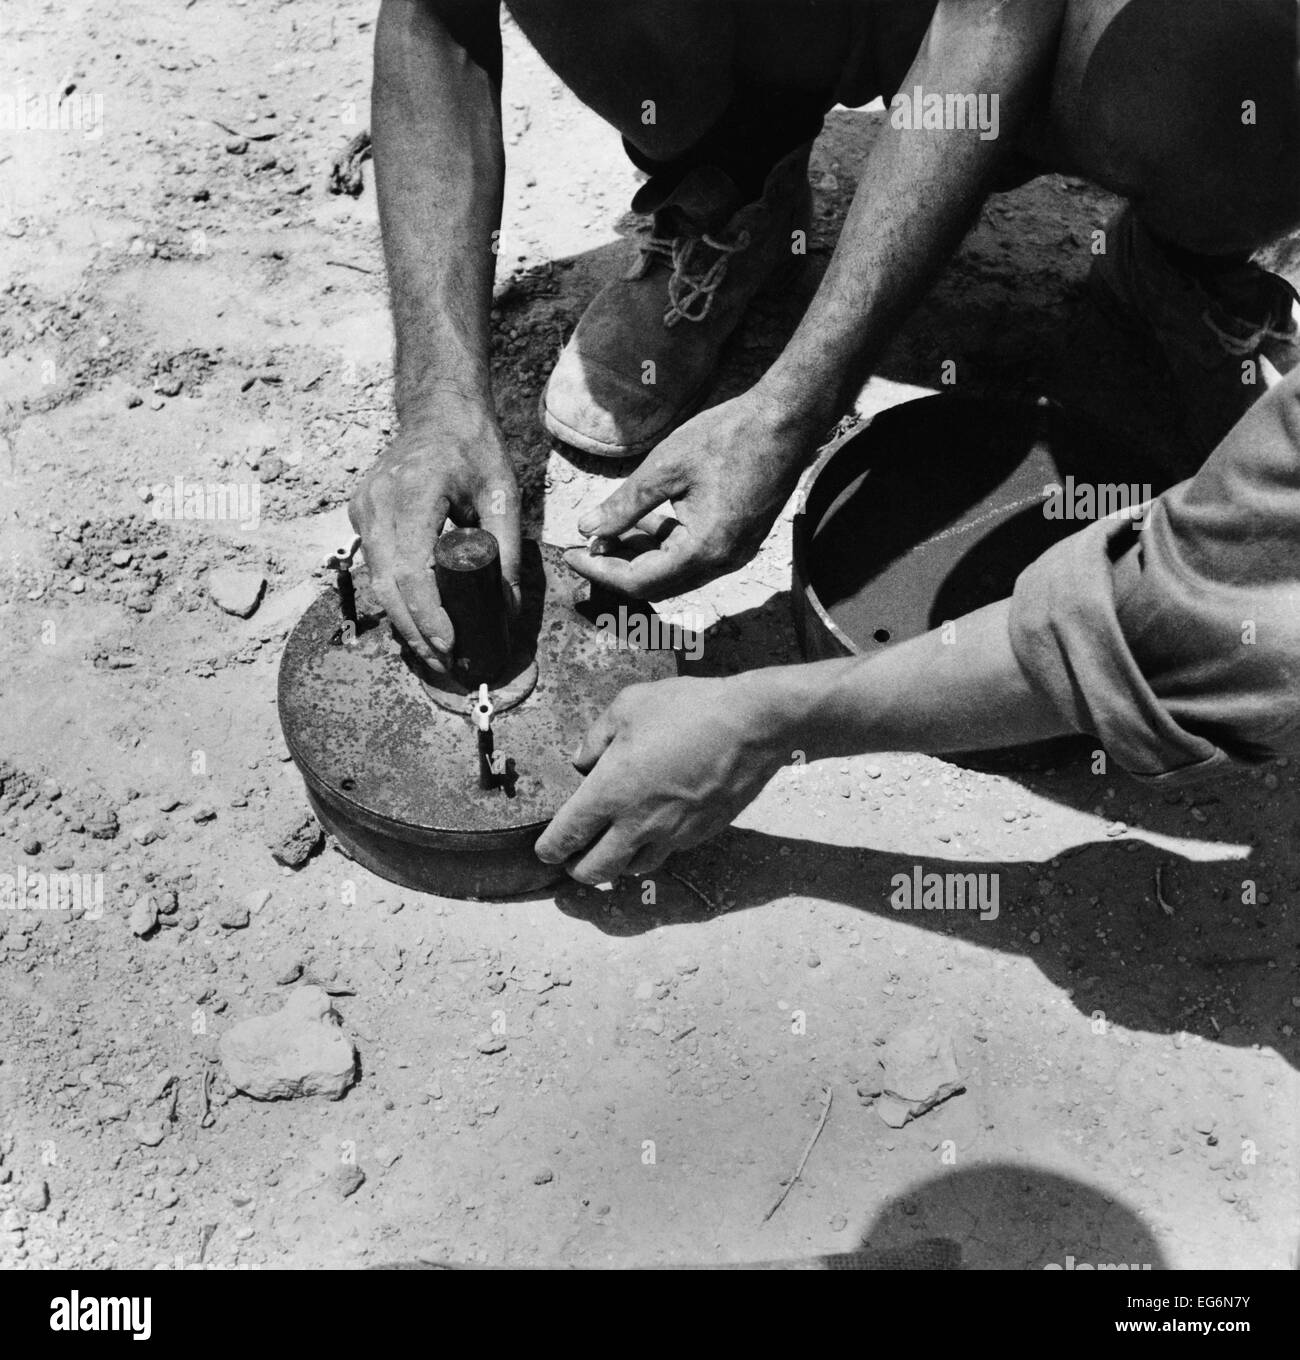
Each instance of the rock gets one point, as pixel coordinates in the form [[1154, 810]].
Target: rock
[[1204, 1123], [144, 915], [917, 1070], [490, 1043], [543, 1175], [34, 1197], [270, 468], [122, 557], [170, 386], [144, 833], [31, 845], [299, 1051], [231, 915], [286, 965], [150, 1132], [257, 899], [294, 838], [236, 591], [347, 1179], [203, 813]]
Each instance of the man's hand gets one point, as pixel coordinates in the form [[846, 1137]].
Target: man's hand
[[668, 765], [450, 466], [727, 473]]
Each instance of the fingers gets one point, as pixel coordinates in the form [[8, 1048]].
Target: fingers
[[413, 576], [647, 860], [606, 861], [573, 829], [599, 735], [670, 569], [646, 489], [498, 512]]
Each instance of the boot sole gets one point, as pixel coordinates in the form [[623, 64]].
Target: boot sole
[[597, 448]]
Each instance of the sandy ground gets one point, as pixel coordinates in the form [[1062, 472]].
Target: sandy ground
[[184, 298]]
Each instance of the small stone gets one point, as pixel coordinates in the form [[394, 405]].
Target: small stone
[[490, 1043], [133, 399], [543, 1175], [150, 1132], [231, 915], [348, 1178], [873, 771], [1035, 937], [31, 845], [144, 833], [77, 585], [1204, 1123], [286, 965], [170, 386], [295, 837], [122, 557], [203, 813], [271, 467], [144, 915], [654, 1022], [813, 961], [236, 146], [34, 1197], [236, 591]]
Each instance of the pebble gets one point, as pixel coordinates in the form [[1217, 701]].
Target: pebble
[[144, 915], [122, 557], [286, 965], [543, 1175], [873, 771], [31, 845], [295, 837], [348, 1178], [232, 915], [236, 591], [34, 1197], [203, 813], [490, 1043], [150, 1132], [271, 467]]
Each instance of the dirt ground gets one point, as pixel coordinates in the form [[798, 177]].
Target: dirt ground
[[184, 297]]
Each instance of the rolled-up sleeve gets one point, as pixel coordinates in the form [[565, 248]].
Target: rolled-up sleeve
[[1178, 644]]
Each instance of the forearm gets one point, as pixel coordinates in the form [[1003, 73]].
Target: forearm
[[918, 193], [959, 688], [439, 170]]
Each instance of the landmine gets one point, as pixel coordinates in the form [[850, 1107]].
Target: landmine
[[935, 507], [394, 759]]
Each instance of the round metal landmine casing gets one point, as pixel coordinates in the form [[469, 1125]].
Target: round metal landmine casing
[[395, 778], [931, 511]]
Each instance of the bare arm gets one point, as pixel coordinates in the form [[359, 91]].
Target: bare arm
[[729, 471], [919, 192], [670, 764], [439, 169]]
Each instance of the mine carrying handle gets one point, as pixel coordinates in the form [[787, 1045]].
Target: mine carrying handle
[[467, 567]]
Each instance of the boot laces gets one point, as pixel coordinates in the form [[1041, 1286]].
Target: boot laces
[[1251, 339], [690, 290]]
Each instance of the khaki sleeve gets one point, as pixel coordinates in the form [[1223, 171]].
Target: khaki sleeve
[[1177, 644]]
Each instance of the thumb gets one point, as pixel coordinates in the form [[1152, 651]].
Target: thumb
[[647, 488], [594, 744]]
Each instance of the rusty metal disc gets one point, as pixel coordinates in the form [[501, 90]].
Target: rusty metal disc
[[394, 776]]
